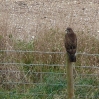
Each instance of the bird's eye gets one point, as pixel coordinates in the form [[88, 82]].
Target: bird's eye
[[67, 31]]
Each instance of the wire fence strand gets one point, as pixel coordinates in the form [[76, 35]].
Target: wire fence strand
[[46, 52]]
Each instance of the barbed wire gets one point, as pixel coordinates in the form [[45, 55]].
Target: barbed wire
[[47, 52], [15, 71], [58, 65], [25, 51], [53, 84], [23, 64], [55, 73]]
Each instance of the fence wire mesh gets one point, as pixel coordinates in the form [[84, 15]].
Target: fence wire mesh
[[32, 53], [45, 81]]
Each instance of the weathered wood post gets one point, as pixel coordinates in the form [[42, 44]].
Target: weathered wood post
[[70, 80]]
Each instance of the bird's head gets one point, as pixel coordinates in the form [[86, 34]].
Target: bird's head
[[69, 30]]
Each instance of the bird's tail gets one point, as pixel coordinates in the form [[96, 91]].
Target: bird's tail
[[72, 57]]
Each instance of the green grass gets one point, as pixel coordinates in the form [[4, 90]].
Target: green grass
[[51, 84]]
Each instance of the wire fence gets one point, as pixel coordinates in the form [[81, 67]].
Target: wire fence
[[46, 81]]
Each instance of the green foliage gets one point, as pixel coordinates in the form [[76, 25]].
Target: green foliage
[[53, 84], [85, 87]]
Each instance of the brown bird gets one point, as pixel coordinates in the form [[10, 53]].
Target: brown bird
[[71, 44]]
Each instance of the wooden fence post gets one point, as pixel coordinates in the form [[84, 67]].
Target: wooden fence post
[[70, 80]]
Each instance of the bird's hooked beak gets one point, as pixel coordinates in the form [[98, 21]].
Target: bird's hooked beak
[[66, 31]]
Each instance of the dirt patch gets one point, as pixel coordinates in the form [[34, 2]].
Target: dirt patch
[[24, 19]]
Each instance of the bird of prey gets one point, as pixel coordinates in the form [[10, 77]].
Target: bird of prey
[[71, 44]]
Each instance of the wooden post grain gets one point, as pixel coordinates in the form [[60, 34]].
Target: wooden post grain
[[70, 80]]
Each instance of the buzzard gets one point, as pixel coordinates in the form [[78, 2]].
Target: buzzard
[[71, 44]]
